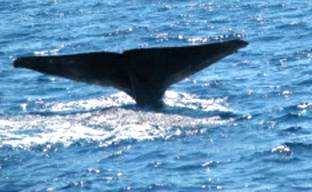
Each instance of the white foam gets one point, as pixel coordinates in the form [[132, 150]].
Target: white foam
[[111, 122]]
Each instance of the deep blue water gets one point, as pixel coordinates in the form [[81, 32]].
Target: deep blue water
[[243, 124]]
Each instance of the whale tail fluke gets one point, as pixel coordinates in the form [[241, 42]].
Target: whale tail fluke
[[144, 74]]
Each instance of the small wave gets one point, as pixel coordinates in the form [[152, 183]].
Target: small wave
[[304, 105], [294, 148], [294, 130], [296, 112], [289, 152], [111, 120], [282, 152], [281, 149], [299, 146]]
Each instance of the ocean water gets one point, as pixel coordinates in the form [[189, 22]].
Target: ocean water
[[243, 124]]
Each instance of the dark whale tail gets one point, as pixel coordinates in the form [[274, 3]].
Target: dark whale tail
[[144, 74]]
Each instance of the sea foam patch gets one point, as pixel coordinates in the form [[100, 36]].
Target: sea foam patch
[[107, 121]]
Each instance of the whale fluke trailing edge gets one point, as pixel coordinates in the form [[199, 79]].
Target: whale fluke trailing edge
[[144, 74]]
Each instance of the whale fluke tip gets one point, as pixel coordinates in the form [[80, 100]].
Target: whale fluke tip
[[243, 43], [18, 62]]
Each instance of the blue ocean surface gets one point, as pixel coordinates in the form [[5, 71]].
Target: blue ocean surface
[[243, 124]]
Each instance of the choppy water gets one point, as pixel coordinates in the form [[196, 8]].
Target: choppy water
[[243, 124]]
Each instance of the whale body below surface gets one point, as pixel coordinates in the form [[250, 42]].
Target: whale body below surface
[[144, 74]]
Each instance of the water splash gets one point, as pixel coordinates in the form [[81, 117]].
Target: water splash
[[110, 120]]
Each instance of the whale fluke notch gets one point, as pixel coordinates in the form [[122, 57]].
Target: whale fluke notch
[[144, 74]]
